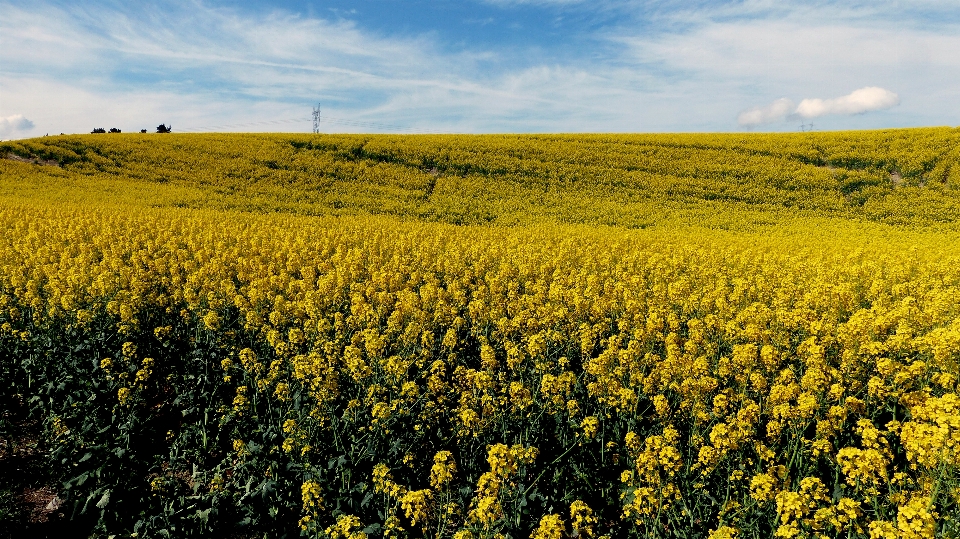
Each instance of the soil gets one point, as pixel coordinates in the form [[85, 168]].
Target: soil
[[29, 505], [33, 160]]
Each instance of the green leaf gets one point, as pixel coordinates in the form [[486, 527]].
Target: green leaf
[[82, 478], [104, 500], [204, 515]]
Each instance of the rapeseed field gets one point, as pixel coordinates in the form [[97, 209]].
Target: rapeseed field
[[503, 336]]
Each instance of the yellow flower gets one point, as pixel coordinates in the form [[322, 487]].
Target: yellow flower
[[551, 527], [347, 527], [162, 333], [391, 525], [724, 532], [240, 447], [216, 483], [156, 484], [211, 321], [416, 505], [661, 405], [932, 436], [590, 426], [443, 469], [502, 460], [312, 495], [581, 519], [847, 511], [59, 427], [383, 482], [880, 529], [487, 511], [240, 401], [573, 408], [380, 411], [862, 466], [915, 520], [520, 396], [144, 373]]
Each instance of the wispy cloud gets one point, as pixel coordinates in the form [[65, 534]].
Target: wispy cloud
[[657, 66], [222, 57], [507, 3], [199, 69]]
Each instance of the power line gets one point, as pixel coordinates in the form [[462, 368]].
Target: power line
[[377, 125], [248, 124], [316, 120]]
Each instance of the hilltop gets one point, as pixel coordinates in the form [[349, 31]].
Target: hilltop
[[903, 176]]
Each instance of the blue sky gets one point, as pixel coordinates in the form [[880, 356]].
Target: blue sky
[[477, 66]]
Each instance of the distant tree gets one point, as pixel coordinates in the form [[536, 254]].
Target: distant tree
[[114, 130], [164, 129], [99, 130], [143, 130]]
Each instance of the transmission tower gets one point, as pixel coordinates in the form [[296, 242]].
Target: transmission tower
[[316, 119]]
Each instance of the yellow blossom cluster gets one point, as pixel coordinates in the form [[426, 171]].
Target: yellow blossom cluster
[[444, 467]]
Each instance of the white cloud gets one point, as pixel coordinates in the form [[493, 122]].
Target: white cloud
[[867, 99], [14, 123], [859, 101], [774, 112]]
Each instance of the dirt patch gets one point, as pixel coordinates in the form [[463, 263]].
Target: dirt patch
[[41, 504], [29, 505], [33, 160], [896, 179]]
